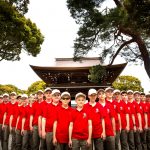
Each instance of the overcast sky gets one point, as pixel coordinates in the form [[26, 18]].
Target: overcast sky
[[59, 29]]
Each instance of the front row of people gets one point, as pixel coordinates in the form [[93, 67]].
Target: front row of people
[[50, 123]]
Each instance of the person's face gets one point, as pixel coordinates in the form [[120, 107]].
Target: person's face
[[80, 101], [40, 95], [124, 97], [130, 95], [148, 99], [92, 97], [117, 96], [25, 100], [19, 100], [143, 97], [65, 100], [5, 98], [56, 97], [48, 94], [12, 96], [109, 94], [1, 99], [137, 97], [101, 95]]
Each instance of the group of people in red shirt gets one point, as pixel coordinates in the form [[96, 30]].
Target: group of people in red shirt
[[110, 120]]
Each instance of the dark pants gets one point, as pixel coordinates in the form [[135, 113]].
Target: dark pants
[[25, 140], [123, 140], [143, 139], [137, 140], [148, 139], [6, 132], [97, 143], [109, 143], [1, 136], [43, 144], [49, 141], [18, 140], [13, 142], [62, 146], [36, 138], [131, 140], [79, 145], [117, 139]]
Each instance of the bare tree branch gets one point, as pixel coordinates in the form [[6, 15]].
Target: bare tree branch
[[119, 49]]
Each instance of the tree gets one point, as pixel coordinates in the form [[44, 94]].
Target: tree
[[8, 88], [127, 83], [34, 87], [16, 32], [122, 30]]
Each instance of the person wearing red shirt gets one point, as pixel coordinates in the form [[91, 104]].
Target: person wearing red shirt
[[61, 123], [144, 121], [21, 112], [98, 123], [132, 122], [80, 127], [2, 111], [109, 143], [35, 126], [148, 131], [13, 118], [48, 117], [124, 124]]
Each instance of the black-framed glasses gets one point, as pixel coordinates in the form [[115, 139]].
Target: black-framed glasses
[[65, 98]]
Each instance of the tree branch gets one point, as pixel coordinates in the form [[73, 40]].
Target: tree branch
[[119, 49]]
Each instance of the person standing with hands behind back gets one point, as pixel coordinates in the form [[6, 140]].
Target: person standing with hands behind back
[[80, 128]]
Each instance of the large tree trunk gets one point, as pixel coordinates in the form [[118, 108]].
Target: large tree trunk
[[144, 54]]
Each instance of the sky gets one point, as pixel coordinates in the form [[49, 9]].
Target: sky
[[59, 29]]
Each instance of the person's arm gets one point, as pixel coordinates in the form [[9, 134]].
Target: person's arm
[[103, 129], [119, 119], [17, 122], [134, 123], [10, 122], [146, 120], [22, 127], [4, 118], [90, 132], [54, 133], [40, 125], [113, 125], [70, 134], [127, 120], [43, 128], [140, 121], [31, 121]]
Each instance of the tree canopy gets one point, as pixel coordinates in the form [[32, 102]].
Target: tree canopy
[[128, 83], [17, 33], [122, 30]]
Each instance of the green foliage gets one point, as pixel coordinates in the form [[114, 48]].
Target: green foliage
[[17, 33], [97, 73], [127, 83], [34, 87], [10, 88]]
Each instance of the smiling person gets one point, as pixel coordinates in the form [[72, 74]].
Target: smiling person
[[61, 124], [80, 128]]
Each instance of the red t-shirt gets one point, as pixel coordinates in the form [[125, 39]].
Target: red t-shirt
[[14, 108], [2, 111], [80, 124], [26, 115], [36, 111], [8, 113], [96, 115], [49, 114], [109, 111], [20, 115], [148, 104], [63, 117]]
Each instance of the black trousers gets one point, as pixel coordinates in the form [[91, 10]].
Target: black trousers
[[124, 139]]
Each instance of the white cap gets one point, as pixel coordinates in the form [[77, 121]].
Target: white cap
[[24, 96], [147, 94], [129, 91], [39, 91], [92, 91], [116, 91], [65, 93], [80, 94], [47, 89], [13, 93], [1, 96], [136, 92], [6, 94], [109, 88], [55, 91]]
